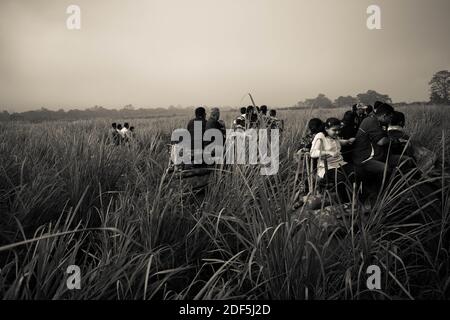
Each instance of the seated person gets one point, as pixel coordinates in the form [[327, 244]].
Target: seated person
[[326, 147], [197, 137], [251, 118], [132, 133], [114, 134], [348, 130], [360, 112], [214, 122], [239, 122], [315, 126], [119, 134], [423, 157], [239, 125], [124, 130], [376, 105], [273, 122], [369, 151], [399, 139], [264, 118]]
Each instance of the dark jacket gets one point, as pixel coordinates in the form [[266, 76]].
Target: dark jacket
[[214, 124], [190, 128], [366, 146], [399, 140]]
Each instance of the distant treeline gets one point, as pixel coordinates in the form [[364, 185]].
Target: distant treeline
[[128, 112], [44, 114], [439, 88], [395, 104], [367, 98]]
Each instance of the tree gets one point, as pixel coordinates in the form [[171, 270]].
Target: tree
[[320, 101], [371, 96], [345, 101], [128, 107], [440, 87]]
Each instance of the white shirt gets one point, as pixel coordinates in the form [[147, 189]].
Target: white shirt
[[238, 127], [323, 145], [123, 132]]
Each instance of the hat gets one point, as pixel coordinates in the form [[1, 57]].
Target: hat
[[362, 106]]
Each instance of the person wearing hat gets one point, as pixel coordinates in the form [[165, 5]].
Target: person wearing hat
[[361, 111], [326, 147]]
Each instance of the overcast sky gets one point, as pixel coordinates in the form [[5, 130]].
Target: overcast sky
[[156, 53]]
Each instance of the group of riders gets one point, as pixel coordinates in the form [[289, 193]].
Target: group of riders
[[121, 134], [252, 117], [365, 147], [257, 118]]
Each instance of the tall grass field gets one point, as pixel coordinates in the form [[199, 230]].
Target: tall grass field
[[69, 197]]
